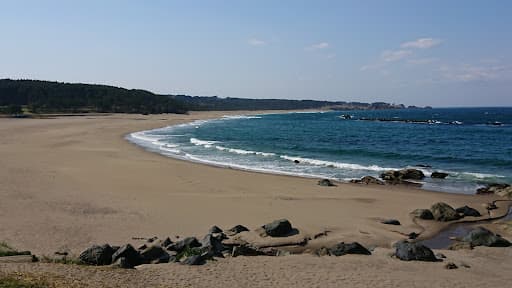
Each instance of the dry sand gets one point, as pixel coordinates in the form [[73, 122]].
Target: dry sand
[[70, 182]]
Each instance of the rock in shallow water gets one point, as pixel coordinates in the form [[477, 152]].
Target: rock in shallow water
[[481, 236], [326, 183], [439, 175], [414, 252]]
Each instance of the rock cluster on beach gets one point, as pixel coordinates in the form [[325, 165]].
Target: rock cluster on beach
[[443, 212], [503, 190]]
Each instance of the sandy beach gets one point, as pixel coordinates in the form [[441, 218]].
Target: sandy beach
[[69, 182]]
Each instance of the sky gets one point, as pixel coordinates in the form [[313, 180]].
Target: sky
[[439, 53]]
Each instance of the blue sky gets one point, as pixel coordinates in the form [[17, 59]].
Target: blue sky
[[439, 53]]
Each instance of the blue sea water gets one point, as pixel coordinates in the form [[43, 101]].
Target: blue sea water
[[473, 145]]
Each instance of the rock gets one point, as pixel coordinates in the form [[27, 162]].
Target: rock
[[152, 239], [127, 251], [413, 174], [142, 247], [481, 236], [439, 175], [97, 255], [213, 245], [278, 228], [155, 254], [450, 265], [397, 176], [194, 260], [235, 230], [245, 250], [468, 211], [413, 235], [166, 242], [424, 214], [414, 252], [390, 222], [215, 229], [367, 180], [342, 248], [444, 212], [122, 262], [326, 183], [322, 252], [500, 189], [296, 161], [179, 246]]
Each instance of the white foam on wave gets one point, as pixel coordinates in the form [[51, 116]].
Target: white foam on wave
[[341, 165], [251, 168], [204, 143], [234, 117], [243, 152]]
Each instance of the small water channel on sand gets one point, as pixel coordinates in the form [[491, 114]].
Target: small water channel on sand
[[443, 239]]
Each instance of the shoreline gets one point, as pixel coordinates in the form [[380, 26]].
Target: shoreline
[[71, 182]]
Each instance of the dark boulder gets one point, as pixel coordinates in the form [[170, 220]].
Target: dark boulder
[[235, 230], [97, 255], [194, 260], [444, 212], [121, 262], [503, 190], [367, 180], [326, 183], [414, 252], [278, 228], [342, 248], [166, 242], [212, 245], [424, 214], [390, 222], [155, 254], [129, 253], [179, 246], [439, 175], [468, 211], [481, 236], [413, 174], [215, 229]]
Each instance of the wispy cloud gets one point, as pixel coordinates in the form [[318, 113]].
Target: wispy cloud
[[469, 73], [394, 55], [421, 43], [406, 51], [422, 61], [256, 42], [318, 46]]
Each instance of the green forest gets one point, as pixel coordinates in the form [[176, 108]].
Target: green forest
[[43, 97]]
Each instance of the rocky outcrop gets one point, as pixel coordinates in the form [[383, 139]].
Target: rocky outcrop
[[424, 214], [397, 176], [481, 236], [503, 190], [326, 183], [414, 252], [468, 211], [179, 246], [343, 248], [367, 180], [278, 228], [155, 254], [439, 175], [132, 257], [236, 229], [97, 255], [215, 229], [444, 212]]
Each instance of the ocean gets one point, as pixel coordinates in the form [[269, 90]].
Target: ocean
[[472, 145]]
